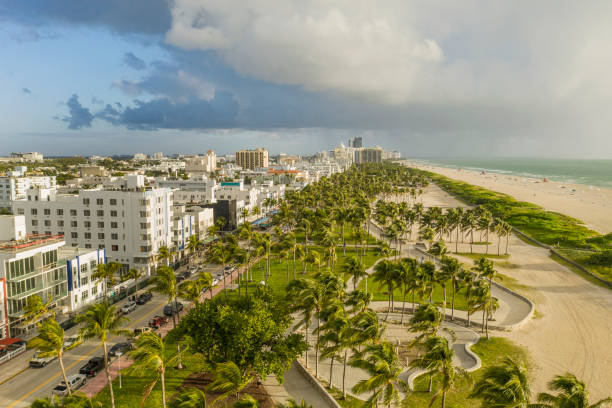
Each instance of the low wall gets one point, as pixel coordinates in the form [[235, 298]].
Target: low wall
[[312, 380]]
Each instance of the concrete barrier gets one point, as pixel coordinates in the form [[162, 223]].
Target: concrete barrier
[[318, 386]]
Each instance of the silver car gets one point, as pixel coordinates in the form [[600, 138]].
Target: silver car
[[75, 381], [128, 307]]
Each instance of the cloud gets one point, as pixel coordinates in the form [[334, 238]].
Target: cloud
[[133, 61], [78, 117], [96, 101], [26, 91]]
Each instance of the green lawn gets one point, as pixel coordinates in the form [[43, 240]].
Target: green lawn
[[491, 353], [604, 272]]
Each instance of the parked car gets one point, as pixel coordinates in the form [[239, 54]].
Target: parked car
[[157, 321], [75, 382], [180, 278], [128, 307], [68, 323], [215, 281], [92, 367], [139, 330], [144, 298], [173, 308], [72, 341], [193, 270], [122, 348], [185, 275], [39, 361]]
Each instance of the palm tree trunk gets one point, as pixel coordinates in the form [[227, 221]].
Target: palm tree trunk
[[487, 243], [484, 312], [108, 376], [224, 284], [430, 382], [317, 345], [498, 244], [471, 241], [453, 302], [413, 301], [507, 239], [403, 305], [344, 375], [307, 344], [444, 305], [331, 373], [392, 300], [443, 399], [179, 365], [294, 263], [457, 242], [61, 362], [163, 387]]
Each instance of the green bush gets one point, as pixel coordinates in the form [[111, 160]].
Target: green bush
[[601, 258]]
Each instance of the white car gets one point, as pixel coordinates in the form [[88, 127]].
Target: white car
[[39, 361], [72, 341], [128, 307], [75, 381]]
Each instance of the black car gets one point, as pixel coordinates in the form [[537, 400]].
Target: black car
[[144, 298], [171, 309], [122, 348], [92, 367], [180, 278]]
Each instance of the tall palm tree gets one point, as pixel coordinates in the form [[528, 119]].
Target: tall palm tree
[[80, 400], [427, 320], [468, 280], [193, 244], [164, 283], [134, 274], [353, 268], [337, 338], [229, 380], [505, 385], [47, 402], [385, 272], [451, 268], [222, 253], [50, 343], [291, 403], [436, 359], [107, 273], [428, 275], [571, 393], [165, 254], [381, 362], [151, 354], [406, 277], [246, 402], [101, 321], [468, 223]]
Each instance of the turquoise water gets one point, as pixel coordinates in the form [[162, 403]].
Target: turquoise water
[[589, 172]]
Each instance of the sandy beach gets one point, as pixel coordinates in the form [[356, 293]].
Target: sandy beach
[[572, 331], [592, 205]]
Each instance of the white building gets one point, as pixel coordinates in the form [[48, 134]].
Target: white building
[[157, 156], [28, 157], [14, 185], [199, 165], [140, 157], [236, 190], [192, 191], [131, 223], [4, 321], [80, 265]]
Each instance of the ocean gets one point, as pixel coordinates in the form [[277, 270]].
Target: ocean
[[577, 171]]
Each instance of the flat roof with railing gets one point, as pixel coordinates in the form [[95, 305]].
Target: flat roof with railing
[[31, 241]]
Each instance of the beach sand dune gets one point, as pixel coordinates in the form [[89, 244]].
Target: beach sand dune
[[572, 331], [592, 205]]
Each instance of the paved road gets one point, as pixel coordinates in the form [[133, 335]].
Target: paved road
[[34, 383]]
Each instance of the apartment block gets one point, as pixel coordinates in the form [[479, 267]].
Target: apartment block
[[130, 223], [252, 159], [15, 184], [201, 164], [192, 191], [369, 155]]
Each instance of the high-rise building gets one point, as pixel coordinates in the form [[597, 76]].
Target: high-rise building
[[368, 155], [252, 159], [358, 142], [15, 184]]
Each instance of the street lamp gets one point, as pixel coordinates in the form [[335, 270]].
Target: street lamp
[[119, 362]]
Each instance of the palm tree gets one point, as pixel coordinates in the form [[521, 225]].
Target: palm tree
[[507, 232], [427, 320], [354, 269], [164, 283], [428, 275], [246, 402], [107, 273], [222, 253], [192, 397], [100, 321], [505, 386], [165, 254], [337, 338], [571, 393], [35, 309], [451, 268], [385, 273], [438, 358], [406, 278], [291, 403], [50, 343], [315, 258], [80, 400], [46, 402], [306, 308], [381, 362], [468, 223], [151, 354], [193, 244], [468, 280], [228, 381]]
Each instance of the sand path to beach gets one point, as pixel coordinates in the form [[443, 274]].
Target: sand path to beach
[[573, 328], [592, 205]]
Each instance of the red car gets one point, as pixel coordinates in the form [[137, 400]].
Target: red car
[[157, 321]]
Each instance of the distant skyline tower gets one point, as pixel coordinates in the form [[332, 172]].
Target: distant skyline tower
[[358, 141]]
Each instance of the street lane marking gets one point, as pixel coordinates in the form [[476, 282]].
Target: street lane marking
[[76, 362]]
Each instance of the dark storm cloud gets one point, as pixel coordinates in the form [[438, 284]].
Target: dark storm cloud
[[133, 61], [150, 17], [78, 116]]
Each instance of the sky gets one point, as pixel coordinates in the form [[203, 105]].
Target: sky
[[431, 79]]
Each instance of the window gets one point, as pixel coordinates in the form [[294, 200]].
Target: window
[[20, 211], [74, 224], [88, 246], [92, 264], [88, 235], [73, 213], [145, 248], [47, 211], [74, 235], [115, 236], [100, 235], [101, 246], [47, 232], [84, 295], [113, 225], [49, 257], [83, 269], [60, 211], [143, 225], [99, 201], [47, 223], [86, 201], [100, 224], [143, 214], [113, 213], [61, 233], [21, 267], [33, 211], [87, 224], [86, 213], [114, 247], [34, 222], [94, 290], [84, 280], [60, 223], [113, 201], [100, 213]]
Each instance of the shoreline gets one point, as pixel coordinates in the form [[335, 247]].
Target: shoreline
[[591, 205]]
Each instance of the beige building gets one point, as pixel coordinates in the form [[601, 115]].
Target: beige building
[[368, 155], [252, 159]]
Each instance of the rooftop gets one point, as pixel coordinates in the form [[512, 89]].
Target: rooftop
[[31, 241]]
